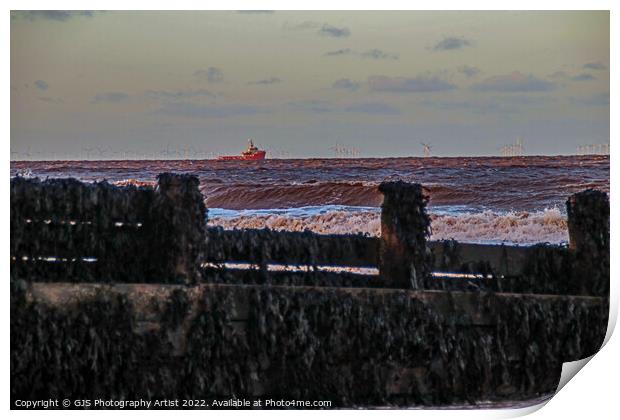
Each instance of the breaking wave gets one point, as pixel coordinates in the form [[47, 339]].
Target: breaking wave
[[522, 227], [323, 220], [282, 195], [259, 196], [549, 225], [353, 208], [137, 183]]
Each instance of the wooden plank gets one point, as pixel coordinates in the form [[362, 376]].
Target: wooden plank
[[270, 247], [502, 260], [69, 240], [263, 246], [290, 278], [70, 199]]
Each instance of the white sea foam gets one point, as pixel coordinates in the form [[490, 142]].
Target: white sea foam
[[137, 183], [335, 220], [548, 225], [459, 223]]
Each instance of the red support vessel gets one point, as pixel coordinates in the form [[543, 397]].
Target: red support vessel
[[251, 153]]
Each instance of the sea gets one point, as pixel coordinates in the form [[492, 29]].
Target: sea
[[493, 200]]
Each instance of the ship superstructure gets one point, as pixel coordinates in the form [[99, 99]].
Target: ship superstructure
[[250, 153]]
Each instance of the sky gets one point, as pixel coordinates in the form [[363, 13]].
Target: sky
[[199, 83]]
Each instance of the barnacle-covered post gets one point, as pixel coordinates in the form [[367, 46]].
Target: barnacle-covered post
[[178, 228], [404, 260], [588, 231]]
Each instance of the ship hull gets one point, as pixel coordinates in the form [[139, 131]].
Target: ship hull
[[256, 156]]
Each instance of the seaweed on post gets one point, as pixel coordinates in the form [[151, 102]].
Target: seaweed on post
[[404, 259]]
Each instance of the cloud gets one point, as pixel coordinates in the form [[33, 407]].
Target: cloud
[[325, 29], [179, 94], [469, 71], [583, 77], [313, 105], [408, 85], [564, 76], [41, 85], [374, 54], [515, 82], [255, 12], [377, 54], [599, 99], [344, 51], [374, 108], [559, 75], [486, 107], [346, 84], [308, 24], [270, 81], [525, 99], [323, 106], [57, 15], [334, 31], [50, 100], [595, 66], [212, 74], [191, 110], [502, 104], [452, 43], [109, 97]]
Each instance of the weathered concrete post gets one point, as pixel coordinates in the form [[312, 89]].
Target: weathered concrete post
[[404, 259], [588, 231], [179, 227]]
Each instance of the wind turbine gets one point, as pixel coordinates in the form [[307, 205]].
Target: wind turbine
[[427, 149]]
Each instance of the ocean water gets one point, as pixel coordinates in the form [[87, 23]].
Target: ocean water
[[517, 200]]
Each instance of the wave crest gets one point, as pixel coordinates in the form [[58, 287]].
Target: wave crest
[[134, 182], [522, 228], [257, 196], [548, 225]]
